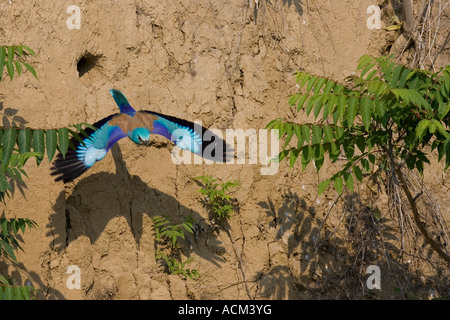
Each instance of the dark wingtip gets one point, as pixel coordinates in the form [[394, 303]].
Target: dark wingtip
[[213, 148], [69, 168]]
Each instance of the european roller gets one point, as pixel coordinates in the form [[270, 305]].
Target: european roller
[[137, 126]]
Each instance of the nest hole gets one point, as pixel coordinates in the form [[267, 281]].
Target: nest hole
[[87, 63]]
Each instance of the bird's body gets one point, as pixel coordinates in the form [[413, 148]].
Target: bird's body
[[136, 125]]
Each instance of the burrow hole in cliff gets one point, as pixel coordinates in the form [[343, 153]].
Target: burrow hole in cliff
[[87, 63]]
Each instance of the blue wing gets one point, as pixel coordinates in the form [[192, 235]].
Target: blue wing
[[96, 146], [199, 140], [183, 133]]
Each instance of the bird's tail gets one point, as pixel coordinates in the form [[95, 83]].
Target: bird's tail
[[122, 102]]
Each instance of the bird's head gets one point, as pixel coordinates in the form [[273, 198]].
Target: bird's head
[[187, 139], [140, 136]]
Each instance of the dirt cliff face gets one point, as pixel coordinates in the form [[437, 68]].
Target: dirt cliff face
[[228, 64]]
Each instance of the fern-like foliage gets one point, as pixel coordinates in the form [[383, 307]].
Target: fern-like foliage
[[386, 113], [9, 242], [9, 291], [14, 58], [167, 232], [17, 145], [9, 230], [217, 196], [168, 236]]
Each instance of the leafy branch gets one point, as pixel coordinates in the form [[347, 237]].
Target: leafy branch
[[218, 199], [168, 233], [384, 117], [13, 57], [8, 291], [9, 229]]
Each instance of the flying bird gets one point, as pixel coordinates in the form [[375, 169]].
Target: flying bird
[[137, 126]]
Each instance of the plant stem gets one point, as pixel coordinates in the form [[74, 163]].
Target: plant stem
[[416, 216], [238, 257]]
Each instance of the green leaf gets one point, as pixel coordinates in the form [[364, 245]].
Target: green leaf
[[63, 140], [340, 109], [301, 102], [3, 183], [396, 75], [316, 135], [293, 99], [352, 111], [363, 61], [8, 249], [25, 293], [19, 50], [304, 80], [358, 173], [328, 108], [348, 180], [311, 82], [439, 127], [443, 109], [30, 51], [349, 148], [39, 144], [323, 185], [366, 69], [328, 134], [30, 68], [360, 141], [9, 294], [50, 140], [328, 86], [318, 105], [306, 156], [310, 103], [338, 184], [319, 84], [421, 128], [306, 133], [9, 141], [18, 67], [372, 158], [2, 60], [319, 152], [290, 133], [366, 112], [11, 50], [10, 69], [4, 227], [293, 157], [24, 140]]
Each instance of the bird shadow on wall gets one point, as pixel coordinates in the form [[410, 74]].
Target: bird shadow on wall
[[99, 198]]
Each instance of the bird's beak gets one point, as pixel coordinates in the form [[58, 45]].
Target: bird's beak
[[146, 143]]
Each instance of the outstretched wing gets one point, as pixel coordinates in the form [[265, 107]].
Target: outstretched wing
[[95, 147], [200, 140]]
